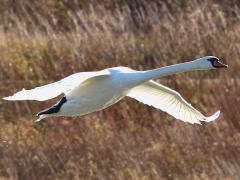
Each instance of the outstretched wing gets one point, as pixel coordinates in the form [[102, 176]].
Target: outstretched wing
[[52, 90], [170, 101]]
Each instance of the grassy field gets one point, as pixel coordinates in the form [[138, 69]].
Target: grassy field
[[43, 41]]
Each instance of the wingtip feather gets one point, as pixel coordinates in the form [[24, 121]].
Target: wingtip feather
[[14, 98], [213, 117], [9, 98]]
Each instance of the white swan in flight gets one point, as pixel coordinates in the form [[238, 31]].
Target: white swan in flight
[[87, 92]]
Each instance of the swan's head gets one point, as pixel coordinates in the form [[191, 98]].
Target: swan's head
[[210, 62]]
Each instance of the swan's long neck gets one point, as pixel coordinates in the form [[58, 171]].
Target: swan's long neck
[[173, 69]]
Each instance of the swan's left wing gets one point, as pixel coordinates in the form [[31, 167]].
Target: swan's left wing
[[170, 101], [54, 89]]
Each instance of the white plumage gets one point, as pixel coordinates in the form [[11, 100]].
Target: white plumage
[[88, 92], [168, 100], [52, 90]]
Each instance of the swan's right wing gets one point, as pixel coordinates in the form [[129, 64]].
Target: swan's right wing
[[170, 101], [52, 90]]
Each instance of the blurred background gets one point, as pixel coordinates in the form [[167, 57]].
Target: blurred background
[[46, 40]]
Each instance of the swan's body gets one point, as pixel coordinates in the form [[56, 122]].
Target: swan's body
[[88, 92]]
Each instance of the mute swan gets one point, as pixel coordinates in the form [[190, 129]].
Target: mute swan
[[87, 92]]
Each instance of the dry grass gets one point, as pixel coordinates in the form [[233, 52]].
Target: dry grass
[[42, 41]]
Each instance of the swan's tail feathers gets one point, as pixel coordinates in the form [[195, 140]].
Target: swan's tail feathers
[[213, 117]]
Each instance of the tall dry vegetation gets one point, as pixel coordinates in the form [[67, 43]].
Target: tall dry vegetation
[[42, 41]]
